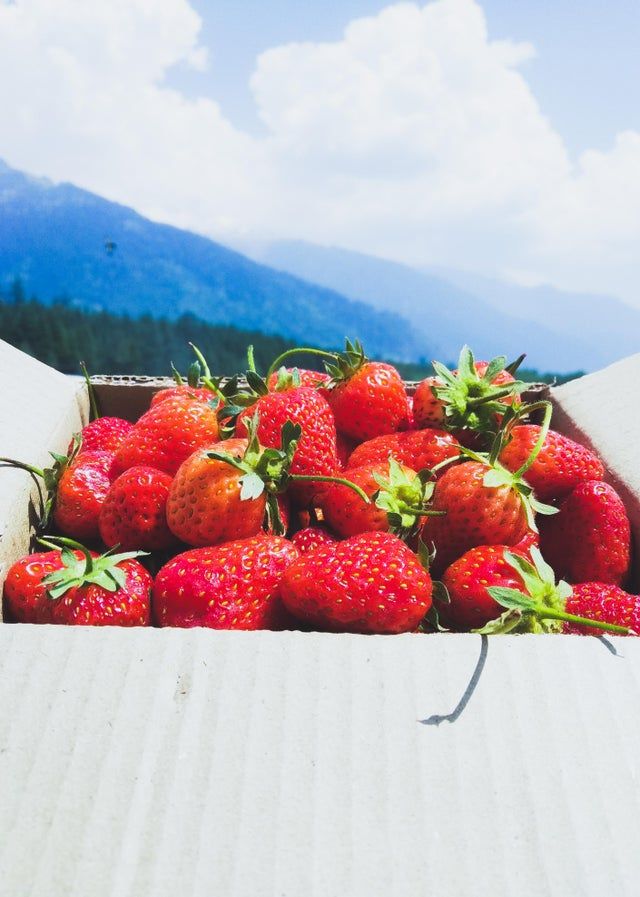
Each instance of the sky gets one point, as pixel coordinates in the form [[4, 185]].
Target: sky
[[499, 137]]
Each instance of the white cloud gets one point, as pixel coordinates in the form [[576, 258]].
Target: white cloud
[[414, 136]]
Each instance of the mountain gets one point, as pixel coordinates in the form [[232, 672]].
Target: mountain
[[60, 240], [449, 313], [563, 311]]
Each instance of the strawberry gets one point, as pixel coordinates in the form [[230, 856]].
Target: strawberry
[[467, 580], [205, 505], [418, 449], [476, 512], [589, 540], [368, 583], [470, 398], [344, 448], [316, 454], [232, 489], [133, 513], [292, 378], [201, 393], [167, 434], [311, 537], [80, 495], [25, 596], [533, 600], [368, 398], [399, 497], [231, 586], [531, 539], [605, 602], [77, 587], [559, 466], [105, 434]]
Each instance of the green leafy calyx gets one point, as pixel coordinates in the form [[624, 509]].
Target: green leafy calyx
[[77, 571]]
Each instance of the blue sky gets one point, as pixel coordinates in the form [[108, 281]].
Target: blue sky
[[500, 137], [585, 75]]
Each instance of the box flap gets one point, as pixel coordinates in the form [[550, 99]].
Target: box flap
[[39, 409], [152, 763]]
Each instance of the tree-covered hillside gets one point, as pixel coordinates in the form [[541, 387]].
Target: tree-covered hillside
[[62, 335]]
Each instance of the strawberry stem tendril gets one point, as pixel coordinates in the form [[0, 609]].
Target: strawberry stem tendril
[[321, 353]]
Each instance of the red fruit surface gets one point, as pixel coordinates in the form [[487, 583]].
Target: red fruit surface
[[589, 540], [81, 493], [475, 514], [201, 393], [105, 434], [134, 512], [231, 586], [531, 539], [204, 505], [25, 597], [311, 537], [316, 454], [91, 605], [560, 465], [368, 583], [604, 602], [416, 449], [346, 513], [344, 448], [467, 581], [167, 434], [372, 402], [307, 378]]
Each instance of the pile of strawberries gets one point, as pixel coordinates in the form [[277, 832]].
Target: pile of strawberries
[[331, 501]]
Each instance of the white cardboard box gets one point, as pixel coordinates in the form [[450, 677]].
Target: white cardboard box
[[145, 763]]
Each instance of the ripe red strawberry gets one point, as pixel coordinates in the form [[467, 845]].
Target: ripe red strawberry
[[134, 511], [476, 512], [559, 466], [291, 378], [344, 448], [231, 586], [183, 390], [105, 434], [399, 498], [467, 579], [368, 398], [205, 504], [590, 539], [25, 596], [311, 537], [534, 602], [167, 434], [601, 601], [368, 583], [316, 454], [80, 494], [467, 399], [531, 539], [418, 449], [80, 588]]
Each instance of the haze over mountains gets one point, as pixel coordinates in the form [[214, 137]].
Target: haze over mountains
[[61, 240], [558, 331]]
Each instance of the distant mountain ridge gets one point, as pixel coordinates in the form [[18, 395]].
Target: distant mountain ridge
[[558, 331], [61, 240]]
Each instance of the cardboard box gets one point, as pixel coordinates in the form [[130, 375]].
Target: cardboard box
[[145, 763]]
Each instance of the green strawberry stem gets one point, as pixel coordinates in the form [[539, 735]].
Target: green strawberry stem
[[301, 478], [55, 543], [21, 465], [321, 353], [206, 373], [550, 613], [251, 360], [491, 397], [93, 404]]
